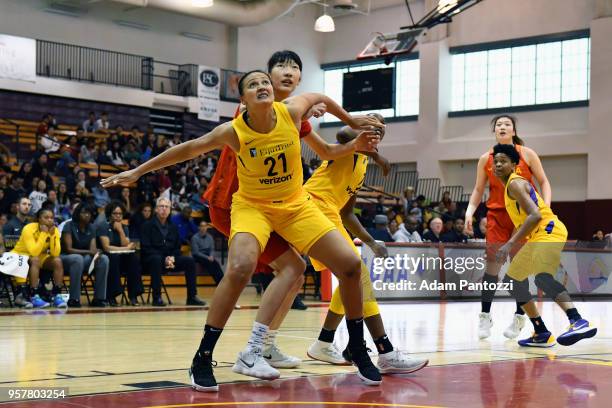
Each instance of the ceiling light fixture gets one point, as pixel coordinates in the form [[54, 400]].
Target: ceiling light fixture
[[324, 24], [202, 3], [445, 5]]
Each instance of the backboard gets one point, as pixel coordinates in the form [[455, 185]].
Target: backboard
[[388, 45]]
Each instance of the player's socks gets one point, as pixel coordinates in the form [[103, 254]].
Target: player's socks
[[488, 294], [573, 315], [367, 371], [201, 372], [327, 335], [258, 337], [383, 345], [538, 325]]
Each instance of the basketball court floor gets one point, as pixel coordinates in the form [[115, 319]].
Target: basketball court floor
[[138, 357]]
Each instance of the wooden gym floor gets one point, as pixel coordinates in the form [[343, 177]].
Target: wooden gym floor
[[138, 357]]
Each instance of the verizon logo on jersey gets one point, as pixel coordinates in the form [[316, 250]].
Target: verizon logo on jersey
[[276, 180]]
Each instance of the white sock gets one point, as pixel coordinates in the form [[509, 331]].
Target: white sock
[[258, 337], [271, 339]]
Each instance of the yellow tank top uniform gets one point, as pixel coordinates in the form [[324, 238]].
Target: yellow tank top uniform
[[269, 165], [270, 194], [550, 228]]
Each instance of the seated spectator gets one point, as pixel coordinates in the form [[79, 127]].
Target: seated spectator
[[3, 221], [202, 250], [481, 231], [140, 217], [186, 227], [113, 239], [131, 154], [416, 212], [38, 196], [79, 250], [25, 173], [448, 223], [46, 177], [147, 188], [43, 126], [114, 154], [176, 140], [126, 199], [49, 142], [4, 203], [161, 251], [15, 191], [89, 125], [393, 228], [433, 233], [456, 234], [407, 232], [15, 225], [63, 201], [89, 152], [101, 196], [42, 162], [598, 235], [196, 202], [380, 231], [102, 124], [40, 241], [380, 207]]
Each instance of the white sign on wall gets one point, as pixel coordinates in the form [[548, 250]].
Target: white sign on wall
[[17, 58], [209, 87]]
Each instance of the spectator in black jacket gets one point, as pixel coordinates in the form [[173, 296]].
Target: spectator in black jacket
[[456, 234], [160, 247], [434, 231]]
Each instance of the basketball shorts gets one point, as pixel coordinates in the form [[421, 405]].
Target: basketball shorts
[[298, 221], [540, 254], [333, 214], [221, 219]]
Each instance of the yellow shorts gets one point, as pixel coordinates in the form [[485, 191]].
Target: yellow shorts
[[298, 221], [333, 214], [540, 254]]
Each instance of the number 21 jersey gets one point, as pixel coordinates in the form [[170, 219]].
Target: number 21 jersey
[[269, 164]]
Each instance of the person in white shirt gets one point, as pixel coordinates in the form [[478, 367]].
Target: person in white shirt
[[49, 141], [102, 124], [38, 196], [407, 232], [89, 125]]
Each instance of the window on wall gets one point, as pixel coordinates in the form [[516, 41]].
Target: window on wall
[[406, 87], [541, 73]]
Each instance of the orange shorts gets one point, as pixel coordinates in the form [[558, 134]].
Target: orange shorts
[[499, 231], [221, 219]]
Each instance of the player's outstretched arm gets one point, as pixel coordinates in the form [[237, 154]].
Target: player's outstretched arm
[[366, 141], [300, 105], [352, 224], [381, 161], [222, 135], [519, 190]]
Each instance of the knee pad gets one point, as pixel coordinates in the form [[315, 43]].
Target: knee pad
[[549, 285], [518, 289]]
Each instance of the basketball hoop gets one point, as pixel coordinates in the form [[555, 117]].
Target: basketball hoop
[[389, 45]]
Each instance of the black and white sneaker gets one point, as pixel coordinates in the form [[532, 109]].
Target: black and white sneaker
[[201, 373], [367, 371]]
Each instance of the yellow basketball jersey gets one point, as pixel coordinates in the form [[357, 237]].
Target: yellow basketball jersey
[[518, 215], [269, 165], [335, 181]]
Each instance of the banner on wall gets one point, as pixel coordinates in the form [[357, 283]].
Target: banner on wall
[[17, 58], [209, 85]]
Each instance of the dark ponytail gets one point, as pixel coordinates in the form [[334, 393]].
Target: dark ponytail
[[515, 139]]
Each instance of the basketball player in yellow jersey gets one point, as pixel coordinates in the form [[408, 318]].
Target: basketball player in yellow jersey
[[540, 256], [270, 197], [333, 187]]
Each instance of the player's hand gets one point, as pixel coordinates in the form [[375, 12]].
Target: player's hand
[[43, 228], [122, 179], [367, 141], [365, 122], [132, 245], [317, 111], [380, 251], [502, 254], [468, 228]]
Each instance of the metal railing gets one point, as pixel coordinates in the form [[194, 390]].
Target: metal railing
[[77, 63]]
